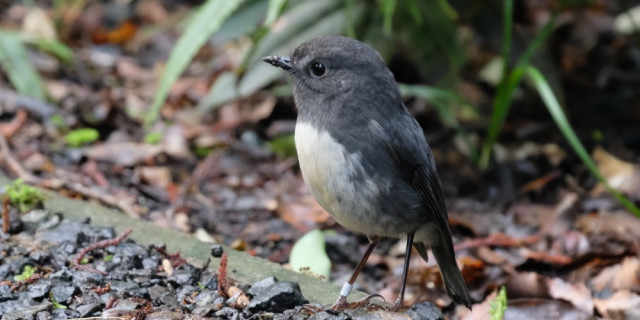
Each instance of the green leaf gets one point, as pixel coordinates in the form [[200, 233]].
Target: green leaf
[[153, 138], [275, 7], [565, 127], [27, 272], [499, 305], [510, 81], [23, 196], [55, 304], [222, 91], [15, 62], [56, 48], [388, 7], [80, 137], [284, 146], [205, 22], [309, 253]]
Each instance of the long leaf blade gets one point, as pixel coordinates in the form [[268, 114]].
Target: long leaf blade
[[205, 22], [15, 62], [565, 127]]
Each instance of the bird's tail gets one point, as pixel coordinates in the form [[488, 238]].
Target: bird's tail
[[451, 275]]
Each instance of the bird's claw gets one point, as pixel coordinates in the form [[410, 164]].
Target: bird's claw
[[342, 304]]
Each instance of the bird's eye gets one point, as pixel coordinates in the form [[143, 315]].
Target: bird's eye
[[318, 70]]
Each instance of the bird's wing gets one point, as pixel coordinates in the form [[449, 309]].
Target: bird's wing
[[407, 146]]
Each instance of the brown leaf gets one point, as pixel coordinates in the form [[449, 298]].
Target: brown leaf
[[622, 225], [619, 276], [622, 176], [304, 214], [123, 154], [578, 294], [156, 176], [623, 304], [544, 309]]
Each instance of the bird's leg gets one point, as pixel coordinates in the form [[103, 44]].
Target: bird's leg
[[341, 302], [407, 257]]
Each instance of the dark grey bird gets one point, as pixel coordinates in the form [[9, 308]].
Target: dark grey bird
[[365, 158]]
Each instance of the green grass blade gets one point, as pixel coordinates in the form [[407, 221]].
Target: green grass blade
[[275, 7], [507, 22], [503, 97], [565, 127], [14, 60], [205, 22], [510, 81], [387, 7], [54, 47]]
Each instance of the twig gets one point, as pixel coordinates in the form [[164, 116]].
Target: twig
[[98, 245], [175, 258], [9, 129], [13, 164], [223, 284]]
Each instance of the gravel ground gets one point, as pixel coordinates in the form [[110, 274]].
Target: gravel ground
[[56, 268]]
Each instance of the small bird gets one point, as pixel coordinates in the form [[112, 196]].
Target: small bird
[[364, 158]]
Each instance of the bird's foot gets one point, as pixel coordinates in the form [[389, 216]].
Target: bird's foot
[[398, 305], [311, 308], [342, 303]]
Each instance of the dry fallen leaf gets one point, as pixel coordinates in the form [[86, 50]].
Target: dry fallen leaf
[[304, 214], [123, 154], [619, 276], [526, 309], [622, 176], [623, 304], [576, 293]]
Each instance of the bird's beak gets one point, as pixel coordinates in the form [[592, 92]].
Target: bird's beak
[[283, 62]]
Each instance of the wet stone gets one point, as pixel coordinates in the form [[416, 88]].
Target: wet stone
[[204, 311], [260, 286], [84, 278], [142, 293], [5, 293], [66, 231], [182, 277], [44, 315], [87, 310], [228, 313], [150, 263], [216, 251], [126, 304], [157, 291], [208, 297], [278, 297], [165, 315], [38, 289], [425, 310], [64, 314], [62, 293], [25, 312], [121, 287], [169, 300]]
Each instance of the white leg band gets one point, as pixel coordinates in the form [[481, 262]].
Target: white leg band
[[346, 289]]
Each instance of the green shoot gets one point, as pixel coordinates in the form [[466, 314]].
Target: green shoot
[[79, 137], [499, 305], [23, 196], [27, 273]]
